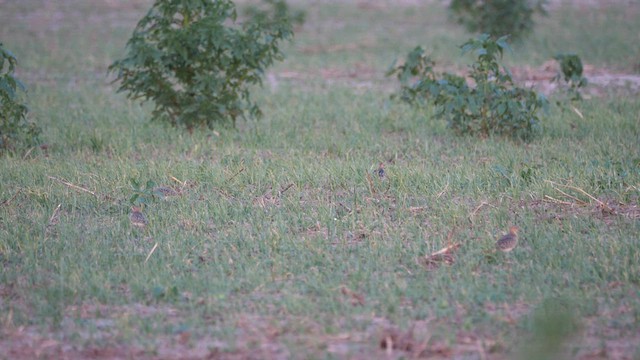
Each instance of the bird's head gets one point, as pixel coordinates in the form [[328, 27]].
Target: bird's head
[[514, 230]]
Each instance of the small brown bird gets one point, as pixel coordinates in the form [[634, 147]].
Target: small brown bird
[[509, 241], [380, 171], [165, 192], [137, 217]]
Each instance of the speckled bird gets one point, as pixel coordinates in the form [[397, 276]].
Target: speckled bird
[[165, 192], [509, 241], [380, 171], [137, 217]]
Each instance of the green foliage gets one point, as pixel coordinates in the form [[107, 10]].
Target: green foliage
[[14, 127], [142, 194], [492, 106], [571, 73], [272, 12], [195, 62], [497, 17]]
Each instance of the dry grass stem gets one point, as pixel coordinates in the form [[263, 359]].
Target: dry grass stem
[[73, 186], [575, 188], [550, 199], [475, 211], [283, 190], [583, 203], [54, 219], [446, 250], [575, 110], [372, 189], [182, 183], [6, 202], [446, 187], [442, 256], [236, 174], [151, 252], [26, 155]]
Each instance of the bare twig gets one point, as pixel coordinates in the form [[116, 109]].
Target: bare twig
[[73, 186]]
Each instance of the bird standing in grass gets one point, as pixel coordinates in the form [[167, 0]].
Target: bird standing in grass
[[165, 192], [137, 217], [509, 241], [380, 171]]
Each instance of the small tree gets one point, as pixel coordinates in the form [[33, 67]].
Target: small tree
[[497, 17], [196, 63], [492, 106], [571, 72], [14, 127]]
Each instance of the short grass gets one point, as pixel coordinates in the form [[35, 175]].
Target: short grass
[[283, 243]]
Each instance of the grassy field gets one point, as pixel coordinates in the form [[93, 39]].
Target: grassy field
[[281, 243]]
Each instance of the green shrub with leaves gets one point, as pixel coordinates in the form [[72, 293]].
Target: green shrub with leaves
[[196, 63], [15, 129], [492, 106], [142, 193], [497, 17], [571, 71]]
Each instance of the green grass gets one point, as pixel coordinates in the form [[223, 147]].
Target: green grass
[[330, 264]]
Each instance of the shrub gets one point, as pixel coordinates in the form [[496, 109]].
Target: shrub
[[493, 105], [497, 17], [14, 127], [196, 63], [571, 73]]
